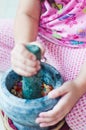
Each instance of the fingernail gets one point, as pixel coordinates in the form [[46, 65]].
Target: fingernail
[[38, 62], [37, 121], [41, 125], [33, 58], [35, 73], [39, 67], [49, 95]]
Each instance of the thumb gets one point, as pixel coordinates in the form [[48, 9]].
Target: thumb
[[58, 92]]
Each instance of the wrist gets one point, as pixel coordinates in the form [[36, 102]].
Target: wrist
[[81, 85]]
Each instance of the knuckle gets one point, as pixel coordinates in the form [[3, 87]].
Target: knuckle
[[60, 91], [24, 61], [34, 64]]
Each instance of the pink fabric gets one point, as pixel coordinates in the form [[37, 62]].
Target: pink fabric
[[6, 43], [64, 22], [76, 119], [63, 26], [67, 60]]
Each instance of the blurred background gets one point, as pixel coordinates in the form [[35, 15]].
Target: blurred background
[[8, 8], [7, 11]]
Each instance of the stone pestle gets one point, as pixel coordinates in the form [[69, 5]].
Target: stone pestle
[[23, 112], [31, 86]]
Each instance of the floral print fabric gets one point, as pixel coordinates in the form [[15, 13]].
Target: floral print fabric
[[64, 22]]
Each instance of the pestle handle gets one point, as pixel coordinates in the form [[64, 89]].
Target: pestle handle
[[35, 50], [31, 88]]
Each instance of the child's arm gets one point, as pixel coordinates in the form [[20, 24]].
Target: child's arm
[[81, 79], [25, 32], [71, 92], [27, 21]]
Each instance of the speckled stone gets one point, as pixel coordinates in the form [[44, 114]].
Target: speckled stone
[[23, 112]]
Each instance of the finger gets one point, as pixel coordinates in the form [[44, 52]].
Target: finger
[[22, 60], [58, 92], [27, 54], [21, 72], [49, 114], [22, 51], [62, 107], [34, 64], [46, 119], [25, 62], [30, 70], [26, 68], [58, 109], [51, 123], [41, 120]]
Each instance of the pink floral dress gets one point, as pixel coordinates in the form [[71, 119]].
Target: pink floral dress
[[62, 30], [63, 22]]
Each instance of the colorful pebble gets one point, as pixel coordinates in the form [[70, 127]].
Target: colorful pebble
[[17, 89]]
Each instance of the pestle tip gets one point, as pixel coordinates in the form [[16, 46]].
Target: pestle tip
[[35, 50]]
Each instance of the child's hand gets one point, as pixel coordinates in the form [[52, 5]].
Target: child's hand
[[70, 94], [23, 61]]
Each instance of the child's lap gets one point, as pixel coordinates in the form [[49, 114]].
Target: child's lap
[[65, 59], [68, 61], [6, 43], [76, 119]]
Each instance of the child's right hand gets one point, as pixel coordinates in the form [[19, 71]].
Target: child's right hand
[[24, 62]]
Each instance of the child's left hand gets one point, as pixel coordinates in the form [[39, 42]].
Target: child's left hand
[[70, 93]]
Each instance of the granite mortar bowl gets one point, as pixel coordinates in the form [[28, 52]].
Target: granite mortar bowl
[[23, 112]]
